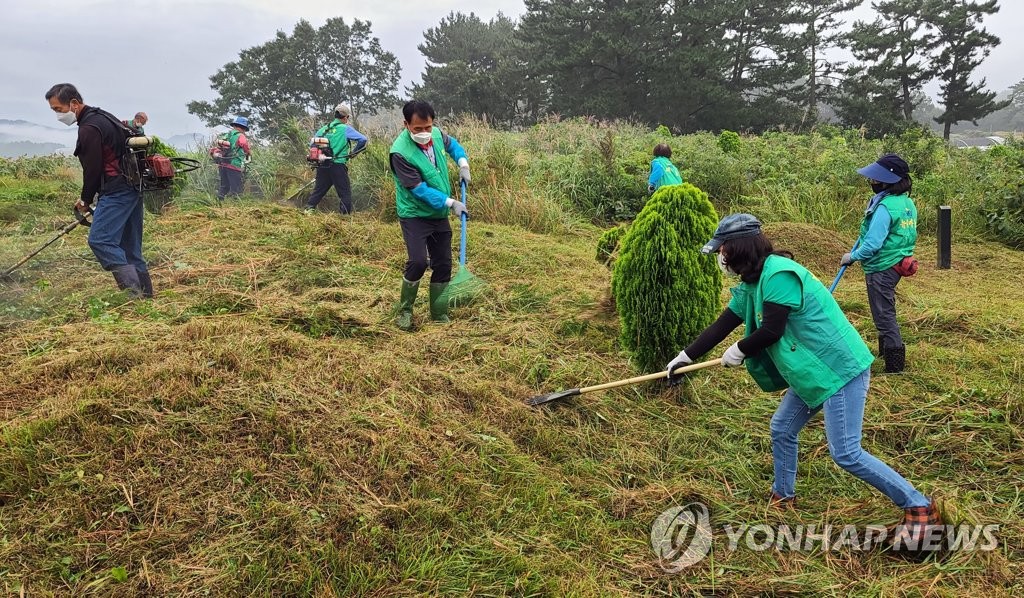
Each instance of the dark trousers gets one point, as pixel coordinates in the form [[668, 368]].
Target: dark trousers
[[428, 241], [230, 182], [334, 175], [115, 236], [882, 299]]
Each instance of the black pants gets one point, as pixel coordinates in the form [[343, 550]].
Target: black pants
[[428, 238], [336, 175], [230, 182], [882, 299]]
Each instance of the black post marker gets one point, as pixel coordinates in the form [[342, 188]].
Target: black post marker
[[945, 257]]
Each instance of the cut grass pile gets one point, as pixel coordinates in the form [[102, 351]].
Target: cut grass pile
[[261, 427]]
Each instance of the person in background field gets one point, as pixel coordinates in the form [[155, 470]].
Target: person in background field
[[137, 123], [234, 153], [115, 236], [797, 338], [663, 171], [885, 249], [423, 197], [341, 136]]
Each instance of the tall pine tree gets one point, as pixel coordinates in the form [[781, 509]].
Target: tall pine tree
[[821, 21], [962, 43], [895, 48]]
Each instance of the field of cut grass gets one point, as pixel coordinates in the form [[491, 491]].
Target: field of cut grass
[[261, 428]]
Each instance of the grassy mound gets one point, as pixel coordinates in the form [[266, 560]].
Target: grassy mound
[[260, 427]]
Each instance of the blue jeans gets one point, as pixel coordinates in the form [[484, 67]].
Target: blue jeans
[[116, 233], [844, 416]]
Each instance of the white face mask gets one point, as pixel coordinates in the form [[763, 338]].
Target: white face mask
[[723, 267], [422, 138], [67, 118]]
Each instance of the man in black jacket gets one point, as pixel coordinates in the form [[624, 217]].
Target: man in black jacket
[[116, 233]]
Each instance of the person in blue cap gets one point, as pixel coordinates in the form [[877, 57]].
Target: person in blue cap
[[885, 250], [231, 154], [798, 339]]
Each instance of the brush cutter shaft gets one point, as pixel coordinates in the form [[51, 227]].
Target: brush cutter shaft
[[80, 219], [649, 377]]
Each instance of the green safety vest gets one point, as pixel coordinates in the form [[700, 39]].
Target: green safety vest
[[435, 176], [819, 352], [670, 174], [337, 133], [902, 237], [238, 156]]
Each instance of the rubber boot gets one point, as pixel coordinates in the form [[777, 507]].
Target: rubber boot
[[895, 359], [881, 346], [127, 278], [146, 282], [438, 305], [408, 298], [916, 534]]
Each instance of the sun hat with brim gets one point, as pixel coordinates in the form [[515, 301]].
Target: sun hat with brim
[[733, 226], [241, 121], [889, 169]]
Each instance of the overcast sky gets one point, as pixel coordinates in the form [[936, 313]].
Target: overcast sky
[[156, 55]]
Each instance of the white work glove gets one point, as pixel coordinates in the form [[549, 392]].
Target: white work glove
[[679, 360], [464, 170], [457, 206], [847, 259], [733, 356]]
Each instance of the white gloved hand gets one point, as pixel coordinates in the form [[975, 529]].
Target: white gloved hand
[[457, 206], [681, 359], [847, 259], [464, 170], [733, 356]]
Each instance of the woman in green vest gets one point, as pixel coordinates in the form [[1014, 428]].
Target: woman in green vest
[[423, 198], [663, 171], [797, 338], [885, 249]]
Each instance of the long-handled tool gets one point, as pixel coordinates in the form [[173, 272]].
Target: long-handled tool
[[554, 396], [80, 219], [464, 286], [349, 156], [842, 270]]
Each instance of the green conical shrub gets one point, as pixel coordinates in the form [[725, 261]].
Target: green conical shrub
[[665, 290]]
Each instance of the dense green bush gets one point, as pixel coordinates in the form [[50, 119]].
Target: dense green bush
[[729, 141], [665, 290], [1004, 210]]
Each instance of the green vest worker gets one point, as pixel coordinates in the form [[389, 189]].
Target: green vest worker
[[419, 163], [885, 249], [798, 338], [663, 171], [138, 123], [344, 141]]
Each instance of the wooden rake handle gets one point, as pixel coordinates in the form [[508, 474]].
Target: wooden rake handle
[[649, 377]]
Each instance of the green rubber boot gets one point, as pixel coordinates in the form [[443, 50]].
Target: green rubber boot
[[438, 306], [404, 318]]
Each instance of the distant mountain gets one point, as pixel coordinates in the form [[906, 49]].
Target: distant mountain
[[15, 149], [12, 131]]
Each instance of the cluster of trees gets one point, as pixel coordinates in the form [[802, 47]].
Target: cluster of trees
[[688, 64], [704, 64], [307, 72]]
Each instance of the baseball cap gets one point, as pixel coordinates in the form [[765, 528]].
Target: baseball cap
[[733, 226]]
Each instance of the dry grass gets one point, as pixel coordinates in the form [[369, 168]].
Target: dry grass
[[262, 428]]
